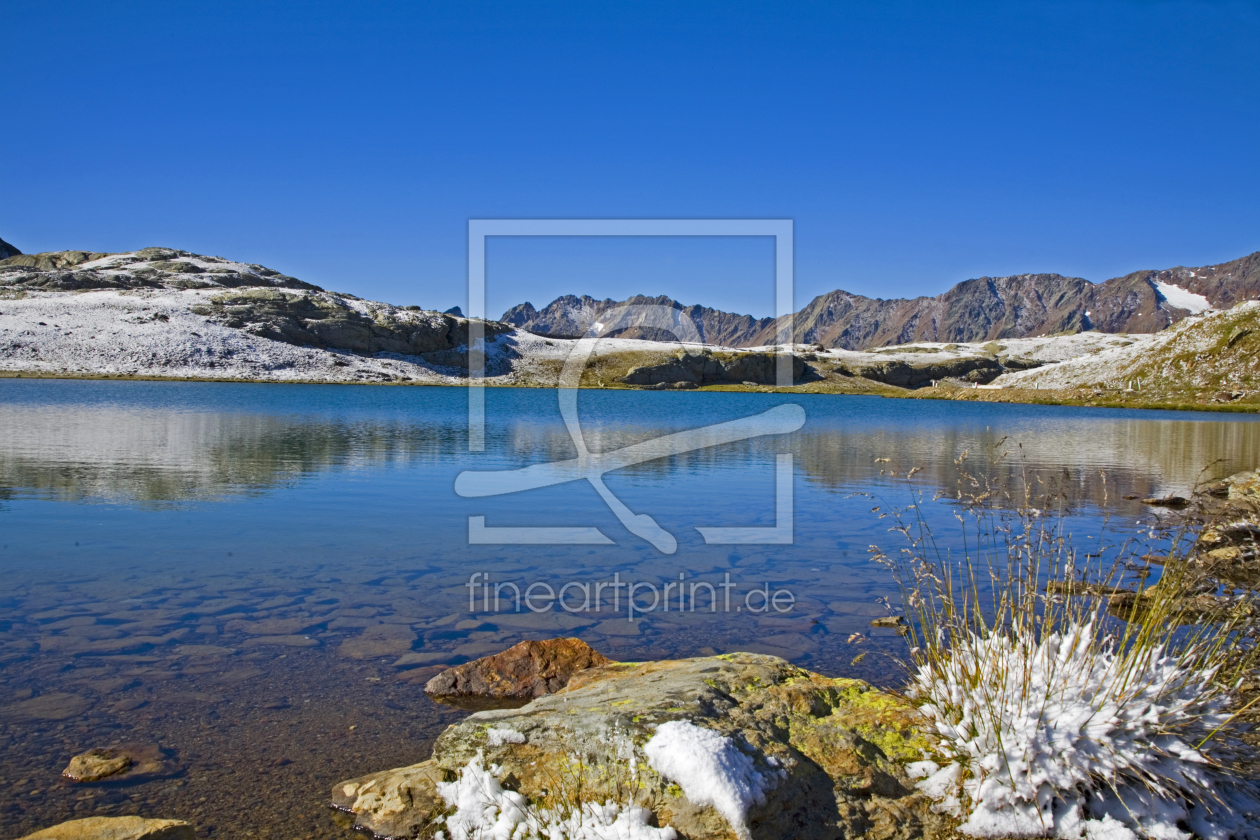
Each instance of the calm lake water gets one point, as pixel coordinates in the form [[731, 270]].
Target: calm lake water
[[256, 580]]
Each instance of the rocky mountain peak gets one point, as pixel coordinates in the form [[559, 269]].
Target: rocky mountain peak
[[7, 250]]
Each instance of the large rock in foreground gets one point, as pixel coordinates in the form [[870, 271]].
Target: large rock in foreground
[[116, 828], [827, 754]]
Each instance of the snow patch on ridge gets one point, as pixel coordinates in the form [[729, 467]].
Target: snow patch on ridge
[[1180, 298]]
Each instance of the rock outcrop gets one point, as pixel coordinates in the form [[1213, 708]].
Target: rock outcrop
[[7, 250], [116, 828], [828, 754], [905, 374], [1228, 547], [705, 367], [343, 322], [152, 268]]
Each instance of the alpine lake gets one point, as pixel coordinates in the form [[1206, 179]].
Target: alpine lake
[[253, 582]]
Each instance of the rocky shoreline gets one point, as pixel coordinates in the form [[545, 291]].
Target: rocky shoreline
[[559, 723]]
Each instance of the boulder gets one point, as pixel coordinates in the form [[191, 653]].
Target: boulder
[[515, 676], [826, 754], [116, 828]]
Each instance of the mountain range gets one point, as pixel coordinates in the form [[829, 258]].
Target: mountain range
[[978, 310]]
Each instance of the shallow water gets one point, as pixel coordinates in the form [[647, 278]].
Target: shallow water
[[231, 572]]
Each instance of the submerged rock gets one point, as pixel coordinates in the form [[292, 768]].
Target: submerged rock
[[825, 754], [57, 705], [116, 828], [131, 762], [516, 676], [96, 764]]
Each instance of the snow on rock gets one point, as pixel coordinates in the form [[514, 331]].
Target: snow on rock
[[711, 769], [1180, 298], [499, 737], [485, 811], [1067, 738]]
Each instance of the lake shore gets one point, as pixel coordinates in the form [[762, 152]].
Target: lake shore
[[1197, 400]]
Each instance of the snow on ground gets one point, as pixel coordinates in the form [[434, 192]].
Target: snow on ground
[[1055, 348], [153, 333], [1182, 298], [112, 263], [1116, 366], [711, 769], [485, 811]]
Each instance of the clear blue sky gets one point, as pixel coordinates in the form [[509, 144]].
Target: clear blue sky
[[915, 144]]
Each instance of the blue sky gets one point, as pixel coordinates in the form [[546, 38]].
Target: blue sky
[[915, 144]]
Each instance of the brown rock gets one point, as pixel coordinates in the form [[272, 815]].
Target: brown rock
[[96, 764], [516, 676], [116, 828]]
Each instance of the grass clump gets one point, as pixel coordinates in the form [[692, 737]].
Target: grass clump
[[1062, 702]]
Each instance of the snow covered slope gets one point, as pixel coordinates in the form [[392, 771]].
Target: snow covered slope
[[1211, 350]]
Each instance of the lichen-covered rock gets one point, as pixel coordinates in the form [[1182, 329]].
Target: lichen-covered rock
[[516, 676], [832, 751], [96, 764], [116, 828]]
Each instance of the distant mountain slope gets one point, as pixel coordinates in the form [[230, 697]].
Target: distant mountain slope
[[570, 316], [983, 309]]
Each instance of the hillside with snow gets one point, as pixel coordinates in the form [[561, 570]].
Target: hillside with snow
[[166, 313], [1210, 351]]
